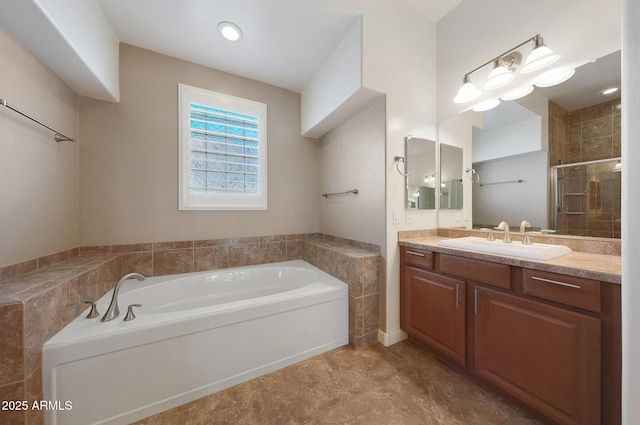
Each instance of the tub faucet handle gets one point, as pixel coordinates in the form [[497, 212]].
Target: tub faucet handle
[[130, 316], [94, 310]]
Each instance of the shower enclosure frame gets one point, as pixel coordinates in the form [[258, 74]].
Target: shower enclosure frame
[[557, 192]]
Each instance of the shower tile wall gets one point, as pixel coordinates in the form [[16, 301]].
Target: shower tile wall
[[585, 134], [588, 134]]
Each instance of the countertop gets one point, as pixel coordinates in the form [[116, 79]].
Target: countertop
[[605, 268]]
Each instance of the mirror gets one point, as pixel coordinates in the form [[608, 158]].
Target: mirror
[[421, 173], [451, 188], [568, 124]]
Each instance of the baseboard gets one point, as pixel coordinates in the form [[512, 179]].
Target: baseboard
[[389, 338]]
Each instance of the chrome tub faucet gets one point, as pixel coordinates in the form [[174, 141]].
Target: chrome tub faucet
[[113, 311]]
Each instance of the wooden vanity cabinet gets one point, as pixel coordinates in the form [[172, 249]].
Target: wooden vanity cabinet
[[435, 311], [546, 356], [433, 308], [550, 341]]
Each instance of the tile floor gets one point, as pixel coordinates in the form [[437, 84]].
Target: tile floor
[[401, 385]]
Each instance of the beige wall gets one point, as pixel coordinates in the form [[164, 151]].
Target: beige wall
[[129, 163], [352, 157], [39, 177]]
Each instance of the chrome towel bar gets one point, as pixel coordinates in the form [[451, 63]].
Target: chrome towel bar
[[354, 191], [58, 137], [506, 181]]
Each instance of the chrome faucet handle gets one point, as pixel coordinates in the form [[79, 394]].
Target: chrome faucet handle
[[94, 310], [526, 240], [130, 316], [490, 236]]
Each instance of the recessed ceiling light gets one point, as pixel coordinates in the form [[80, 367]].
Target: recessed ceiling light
[[609, 90], [230, 31]]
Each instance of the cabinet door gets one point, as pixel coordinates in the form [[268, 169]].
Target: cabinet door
[[434, 311], [546, 356]]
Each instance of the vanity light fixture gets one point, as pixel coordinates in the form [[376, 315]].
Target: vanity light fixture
[[503, 71], [539, 57], [485, 105], [467, 92], [517, 93], [229, 31], [505, 67], [554, 77]]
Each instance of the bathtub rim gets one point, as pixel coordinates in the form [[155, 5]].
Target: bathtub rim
[[98, 338]]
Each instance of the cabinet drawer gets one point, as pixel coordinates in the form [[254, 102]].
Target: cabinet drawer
[[569, 290], [418, 258], [480, 271]]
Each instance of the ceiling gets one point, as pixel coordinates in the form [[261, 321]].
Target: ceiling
[[284, 41], [583, 89]]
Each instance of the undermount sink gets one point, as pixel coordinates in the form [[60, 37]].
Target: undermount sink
[[537, 251]]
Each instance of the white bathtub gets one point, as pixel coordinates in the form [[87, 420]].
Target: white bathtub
[[195, 334]]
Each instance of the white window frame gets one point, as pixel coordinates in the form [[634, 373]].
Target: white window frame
[[192, 200]]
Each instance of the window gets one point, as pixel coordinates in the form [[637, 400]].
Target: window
[[223, 151]]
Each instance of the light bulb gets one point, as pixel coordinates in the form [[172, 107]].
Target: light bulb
[[230, 31], [539, 57], [485, 105], [499, 76], [468, 91]]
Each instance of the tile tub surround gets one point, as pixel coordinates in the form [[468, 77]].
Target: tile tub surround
[[356, 263], [34, 306], [402, 384], [39, 297], [164, 258], [360, 268]]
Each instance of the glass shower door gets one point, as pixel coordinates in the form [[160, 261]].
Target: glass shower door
[[586, 198]]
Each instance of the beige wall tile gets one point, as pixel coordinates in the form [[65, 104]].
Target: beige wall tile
[[12, 343], [83, 288], [172, 262], [138, 262], [273, 252], [244, 255], [44, 315], [212, 258], [294, 249], [13, 391], [327, 260]]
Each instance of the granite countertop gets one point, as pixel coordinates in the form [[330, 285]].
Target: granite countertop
[[606, 268]]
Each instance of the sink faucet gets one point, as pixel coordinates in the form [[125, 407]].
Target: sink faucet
[[523, 226], [113, 311], [505, 226]]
